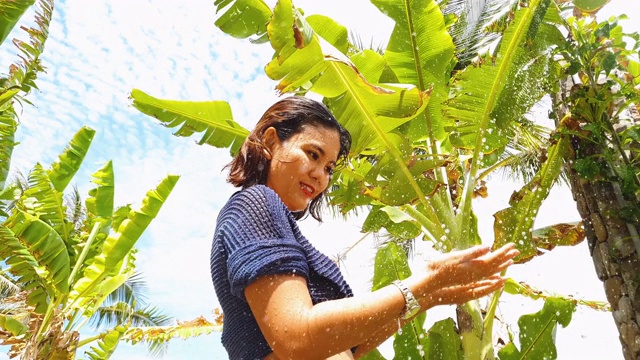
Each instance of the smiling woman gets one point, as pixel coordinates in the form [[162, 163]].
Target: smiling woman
[[282, 298]]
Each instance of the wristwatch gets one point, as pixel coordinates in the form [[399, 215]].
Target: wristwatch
[[411, 304]]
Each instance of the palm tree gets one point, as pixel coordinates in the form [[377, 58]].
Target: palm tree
[[599, 101]]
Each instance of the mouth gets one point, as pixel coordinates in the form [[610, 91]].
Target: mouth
[[307, 189]]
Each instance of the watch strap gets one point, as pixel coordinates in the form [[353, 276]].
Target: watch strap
[[411, 304]]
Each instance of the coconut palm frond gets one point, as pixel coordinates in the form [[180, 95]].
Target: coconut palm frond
[[357, 45], [131, 292], [150, 316], [7, 287], [474, 33], [525, 154], [123, 313], [76, 213]]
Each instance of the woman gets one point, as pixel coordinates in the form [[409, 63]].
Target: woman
[[282, 299]]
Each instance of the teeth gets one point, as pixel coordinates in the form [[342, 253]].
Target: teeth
[[307, 188]]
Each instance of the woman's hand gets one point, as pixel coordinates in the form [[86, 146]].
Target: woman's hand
[[461, 276]]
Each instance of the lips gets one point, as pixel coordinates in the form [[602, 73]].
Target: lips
[[307, 189]]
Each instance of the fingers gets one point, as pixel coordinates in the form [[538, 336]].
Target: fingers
[[471, 265], [472, 252], [464, 293]]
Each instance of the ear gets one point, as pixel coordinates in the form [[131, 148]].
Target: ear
[[269, 142]]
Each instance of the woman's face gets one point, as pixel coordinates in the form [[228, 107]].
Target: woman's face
[[301, 166]]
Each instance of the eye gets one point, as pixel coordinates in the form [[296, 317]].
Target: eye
[[330, 170], [313, 155]]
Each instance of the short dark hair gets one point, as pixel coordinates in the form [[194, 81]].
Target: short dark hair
[[288, 117]]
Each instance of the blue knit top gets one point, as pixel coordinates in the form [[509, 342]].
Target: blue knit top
[[257, 235]]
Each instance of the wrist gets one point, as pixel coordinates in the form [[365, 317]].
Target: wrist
[[421, 287], [412, 306]]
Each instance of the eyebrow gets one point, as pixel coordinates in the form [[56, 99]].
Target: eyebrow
[[321, 151]]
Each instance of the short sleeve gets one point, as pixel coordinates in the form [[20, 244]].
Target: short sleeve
[[259, 239]]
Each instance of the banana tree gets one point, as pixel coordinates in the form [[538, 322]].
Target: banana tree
[[426, 130], [63, 265]]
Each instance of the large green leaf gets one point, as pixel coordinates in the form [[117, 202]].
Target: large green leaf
[[100, 201], [119, 244], [590, 6], [10, 13], [40, 242], [420, 52], [391, 264], [26, 268], [243, 18], [515, 224], [41, 199], [13, 325], [69, 161], [328, 29], [443, 341], [212, 118], [8, 127], [107, 343], [420, 49], [537, 331]]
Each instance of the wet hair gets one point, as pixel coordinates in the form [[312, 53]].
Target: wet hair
[[288, 117]]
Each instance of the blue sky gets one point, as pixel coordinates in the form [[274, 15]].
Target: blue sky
[[99, 50]]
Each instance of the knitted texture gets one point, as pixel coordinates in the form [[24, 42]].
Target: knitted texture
[[257, 235]]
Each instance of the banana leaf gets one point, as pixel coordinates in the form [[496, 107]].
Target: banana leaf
[[443, 341], [391, 264], [242, 18], [420, 52], [69, 161], [515, 224], [537, 331], [36, 253], [41, 199], [212, 118], [8, 127], [10, 13], [12, 325], [119, 244], [107, 344]]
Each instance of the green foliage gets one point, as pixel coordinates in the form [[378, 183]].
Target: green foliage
[[537, 331], [10, 13], [213, 118], [12, 325], [515, 224], [443, 341], [107, 344], [603, 57], [63, 170], [243, 18], [421, 144]]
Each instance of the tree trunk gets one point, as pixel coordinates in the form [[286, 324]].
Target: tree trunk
[[613, 242]]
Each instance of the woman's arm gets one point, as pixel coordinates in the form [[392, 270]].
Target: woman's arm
[[296, 329], [447, 296]]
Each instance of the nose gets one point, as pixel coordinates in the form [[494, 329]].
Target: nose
[[318, 174]]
